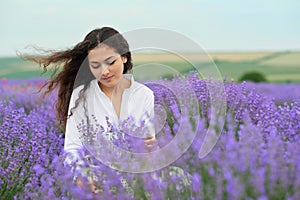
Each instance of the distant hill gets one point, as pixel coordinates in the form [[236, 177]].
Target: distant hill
[[276, 66]]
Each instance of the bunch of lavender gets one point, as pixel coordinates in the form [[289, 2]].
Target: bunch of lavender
[[24, 93], [279, 93], [257, 154], [26, 140], [263, 112], [55, 180], [253, 165]]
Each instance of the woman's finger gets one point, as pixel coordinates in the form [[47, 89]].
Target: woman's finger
[[93, 187], [150, 138]]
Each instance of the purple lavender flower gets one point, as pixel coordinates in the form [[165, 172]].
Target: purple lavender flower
[[256, 157]]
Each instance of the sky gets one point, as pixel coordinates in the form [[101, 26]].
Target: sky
[[217, 26]]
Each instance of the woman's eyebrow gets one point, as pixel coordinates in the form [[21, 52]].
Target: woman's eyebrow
[[108, 58], [96, 62]]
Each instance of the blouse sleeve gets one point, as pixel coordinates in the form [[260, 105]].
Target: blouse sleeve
[[149, 110], [72, 143]]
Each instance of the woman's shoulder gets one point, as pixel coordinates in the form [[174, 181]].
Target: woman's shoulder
[[141, 89], [136, 87], [77, 90]]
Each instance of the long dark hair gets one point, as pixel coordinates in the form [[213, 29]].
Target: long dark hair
[[75, 68]]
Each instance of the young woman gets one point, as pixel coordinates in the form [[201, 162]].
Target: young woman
[[94, 80]]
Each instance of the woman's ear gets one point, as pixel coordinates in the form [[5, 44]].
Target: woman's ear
[[124, 59]]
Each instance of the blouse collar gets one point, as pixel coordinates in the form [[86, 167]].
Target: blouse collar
[[127, 76]]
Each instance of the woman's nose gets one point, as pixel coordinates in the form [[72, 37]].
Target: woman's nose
[[105, 71]]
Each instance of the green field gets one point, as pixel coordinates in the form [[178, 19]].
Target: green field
[[278, 67], [16, 68]]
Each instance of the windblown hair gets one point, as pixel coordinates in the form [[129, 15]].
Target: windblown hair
[[75, 68]]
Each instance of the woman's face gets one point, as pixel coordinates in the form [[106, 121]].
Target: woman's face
[[106, 65]]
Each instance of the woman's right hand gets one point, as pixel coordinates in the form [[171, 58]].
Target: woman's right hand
[[94, 189]]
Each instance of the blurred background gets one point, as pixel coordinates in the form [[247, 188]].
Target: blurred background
[[260, 38]]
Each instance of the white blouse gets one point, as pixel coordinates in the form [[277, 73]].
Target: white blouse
[[137, 102]]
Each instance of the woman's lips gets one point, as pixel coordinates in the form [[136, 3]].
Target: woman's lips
[[107, 78]]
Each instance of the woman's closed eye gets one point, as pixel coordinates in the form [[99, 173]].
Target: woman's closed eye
[[99, 65], [95, 66], [113, 62]]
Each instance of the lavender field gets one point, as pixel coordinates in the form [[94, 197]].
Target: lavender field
[[256, 157]]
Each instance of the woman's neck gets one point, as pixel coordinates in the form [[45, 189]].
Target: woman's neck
[[116, 90]]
